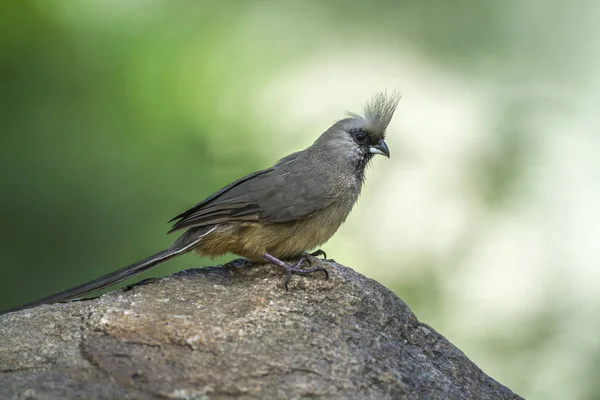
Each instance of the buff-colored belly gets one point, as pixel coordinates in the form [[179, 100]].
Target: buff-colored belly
[[281, 240]]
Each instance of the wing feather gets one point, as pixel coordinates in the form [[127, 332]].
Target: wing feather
[[288, 191], [219, 193]]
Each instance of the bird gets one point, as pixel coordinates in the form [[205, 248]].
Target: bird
[[279, 213]]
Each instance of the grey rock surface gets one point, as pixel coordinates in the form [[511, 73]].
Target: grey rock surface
[[233, 332]]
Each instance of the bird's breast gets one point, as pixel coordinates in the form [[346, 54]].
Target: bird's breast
[[283, 240]]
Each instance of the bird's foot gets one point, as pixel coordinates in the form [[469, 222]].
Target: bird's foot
[[318, 253], [294, 269]]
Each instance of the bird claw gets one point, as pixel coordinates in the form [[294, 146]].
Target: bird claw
[[295, 269], [318, 253], [315, 254]]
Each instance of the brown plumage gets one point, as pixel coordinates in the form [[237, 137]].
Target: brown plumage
[[281, 212]]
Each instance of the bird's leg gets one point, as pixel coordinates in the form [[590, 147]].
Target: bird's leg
[[295, 269]]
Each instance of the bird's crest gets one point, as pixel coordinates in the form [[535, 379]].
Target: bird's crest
[[378, 112]]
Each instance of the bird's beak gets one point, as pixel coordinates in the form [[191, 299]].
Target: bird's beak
[[380, 148]]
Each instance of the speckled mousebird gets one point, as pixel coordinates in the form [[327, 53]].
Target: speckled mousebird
[[279, 213]]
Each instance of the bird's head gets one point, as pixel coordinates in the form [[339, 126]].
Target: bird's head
[[356, 139]]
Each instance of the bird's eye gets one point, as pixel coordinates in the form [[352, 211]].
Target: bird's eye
[[360, 138]]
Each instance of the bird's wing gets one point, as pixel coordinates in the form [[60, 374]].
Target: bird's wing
[[219, 206], [296, 196], [286, 192]]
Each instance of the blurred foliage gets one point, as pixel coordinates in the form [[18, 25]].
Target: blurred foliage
[[116, 116], [95, 150]]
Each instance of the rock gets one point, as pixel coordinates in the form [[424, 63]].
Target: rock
[[234, 332]]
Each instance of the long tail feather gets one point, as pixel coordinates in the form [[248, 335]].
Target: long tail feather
[[111, 278]]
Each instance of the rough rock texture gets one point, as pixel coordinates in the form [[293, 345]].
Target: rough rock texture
[[233, 332]]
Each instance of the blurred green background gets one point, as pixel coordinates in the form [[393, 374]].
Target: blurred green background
[[117, 115]]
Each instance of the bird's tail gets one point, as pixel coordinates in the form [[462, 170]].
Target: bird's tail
[[111, 278]]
